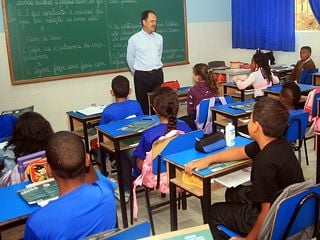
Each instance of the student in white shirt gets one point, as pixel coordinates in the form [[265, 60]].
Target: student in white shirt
[[260, 78], [144, 54]]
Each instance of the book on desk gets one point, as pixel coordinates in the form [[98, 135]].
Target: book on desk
[[41, 192], [92, 110], [139, 126]]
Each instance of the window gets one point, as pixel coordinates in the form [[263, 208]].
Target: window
[[305, 19]]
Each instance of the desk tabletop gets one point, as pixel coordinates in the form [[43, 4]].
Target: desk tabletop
[[113, 129], [81, 116], [180, 159], [226, 109], [277, 88], [12, 205]]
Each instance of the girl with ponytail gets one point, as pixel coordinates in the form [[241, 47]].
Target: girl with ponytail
[[166, 105], [260, 78], [205, 87]]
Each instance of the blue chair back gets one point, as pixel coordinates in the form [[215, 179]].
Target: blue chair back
[[306, 76], [296, 213], [204, 107], [178, 144], [297, 125], [314, 106]]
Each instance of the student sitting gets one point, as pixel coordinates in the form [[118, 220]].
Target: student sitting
[[82, 209], [290, 95], [7, 122], [274, 167], [205, 87], [166, 105], [30, 135], [123, 107], [305, 63], [260, 78]]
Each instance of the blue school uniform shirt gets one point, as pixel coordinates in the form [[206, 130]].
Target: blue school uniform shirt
[[120, 110], [150, 136], [7, 123], [87, 210]]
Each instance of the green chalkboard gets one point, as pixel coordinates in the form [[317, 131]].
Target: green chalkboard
[[59, 39]]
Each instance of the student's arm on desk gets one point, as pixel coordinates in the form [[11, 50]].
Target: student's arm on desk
[[253, 234], [232, 154], [244, 83]]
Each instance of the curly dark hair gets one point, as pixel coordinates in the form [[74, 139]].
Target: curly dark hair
[[30, 134]]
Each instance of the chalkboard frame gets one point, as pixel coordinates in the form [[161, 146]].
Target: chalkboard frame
[[77, 75]]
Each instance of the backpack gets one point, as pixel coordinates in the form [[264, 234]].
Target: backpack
[[206, 126], [147, 178]]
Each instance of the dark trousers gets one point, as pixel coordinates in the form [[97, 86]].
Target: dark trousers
[[238, 213], [145, 82]]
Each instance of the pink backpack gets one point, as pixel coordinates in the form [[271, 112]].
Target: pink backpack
[[147, 178], [308, 108]]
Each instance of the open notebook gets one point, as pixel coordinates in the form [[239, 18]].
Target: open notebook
[[92, 110]]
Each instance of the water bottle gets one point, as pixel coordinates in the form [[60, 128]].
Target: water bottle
[[230, 135]]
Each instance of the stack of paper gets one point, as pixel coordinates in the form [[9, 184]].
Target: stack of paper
[[92, 110], [236, 178]]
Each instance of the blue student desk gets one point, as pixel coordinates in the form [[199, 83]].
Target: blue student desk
[[176, 163], [276, 89], [229, 89], [14, 210], [85, 121], [229, 113], [110, 136]]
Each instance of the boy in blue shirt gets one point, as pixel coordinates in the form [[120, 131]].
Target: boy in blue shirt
[[82, 209], [123, 107], [7, 122]]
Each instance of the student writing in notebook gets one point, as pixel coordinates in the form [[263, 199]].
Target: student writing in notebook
[[305, 63], [290, 95], [205, 87], [30, 134], [166, 105], [274, 167], [82, 209], [260, 78]]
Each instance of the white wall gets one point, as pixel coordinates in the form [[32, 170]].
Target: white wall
[[207, 41]]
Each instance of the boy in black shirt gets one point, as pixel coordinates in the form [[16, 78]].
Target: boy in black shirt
[[274, 167]]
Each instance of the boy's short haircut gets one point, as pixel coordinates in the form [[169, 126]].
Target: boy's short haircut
[[306, 48], [272, 115], [120, 86], [66, 155], [291, 93]]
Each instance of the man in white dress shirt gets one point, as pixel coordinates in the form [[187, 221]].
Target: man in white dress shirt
[[144, 54]]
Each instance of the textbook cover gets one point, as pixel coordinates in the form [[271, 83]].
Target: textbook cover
[[138, 126], [40, 192], [245, 107]]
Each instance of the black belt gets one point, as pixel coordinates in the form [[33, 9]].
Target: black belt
[[153, 71]]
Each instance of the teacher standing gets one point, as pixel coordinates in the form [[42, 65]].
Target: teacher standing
[[144, 54]]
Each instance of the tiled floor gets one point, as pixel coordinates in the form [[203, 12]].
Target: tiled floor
[[188, 218]]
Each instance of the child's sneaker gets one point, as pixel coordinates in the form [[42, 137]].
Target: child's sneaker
[[126, 195]]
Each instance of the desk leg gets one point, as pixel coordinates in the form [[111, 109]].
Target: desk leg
[[173, 199], [242, 95], [85, 135], [103, 156], [206, 204], [318, 159], [71, 123], [214, 118], [235, 124], [121, 186]]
